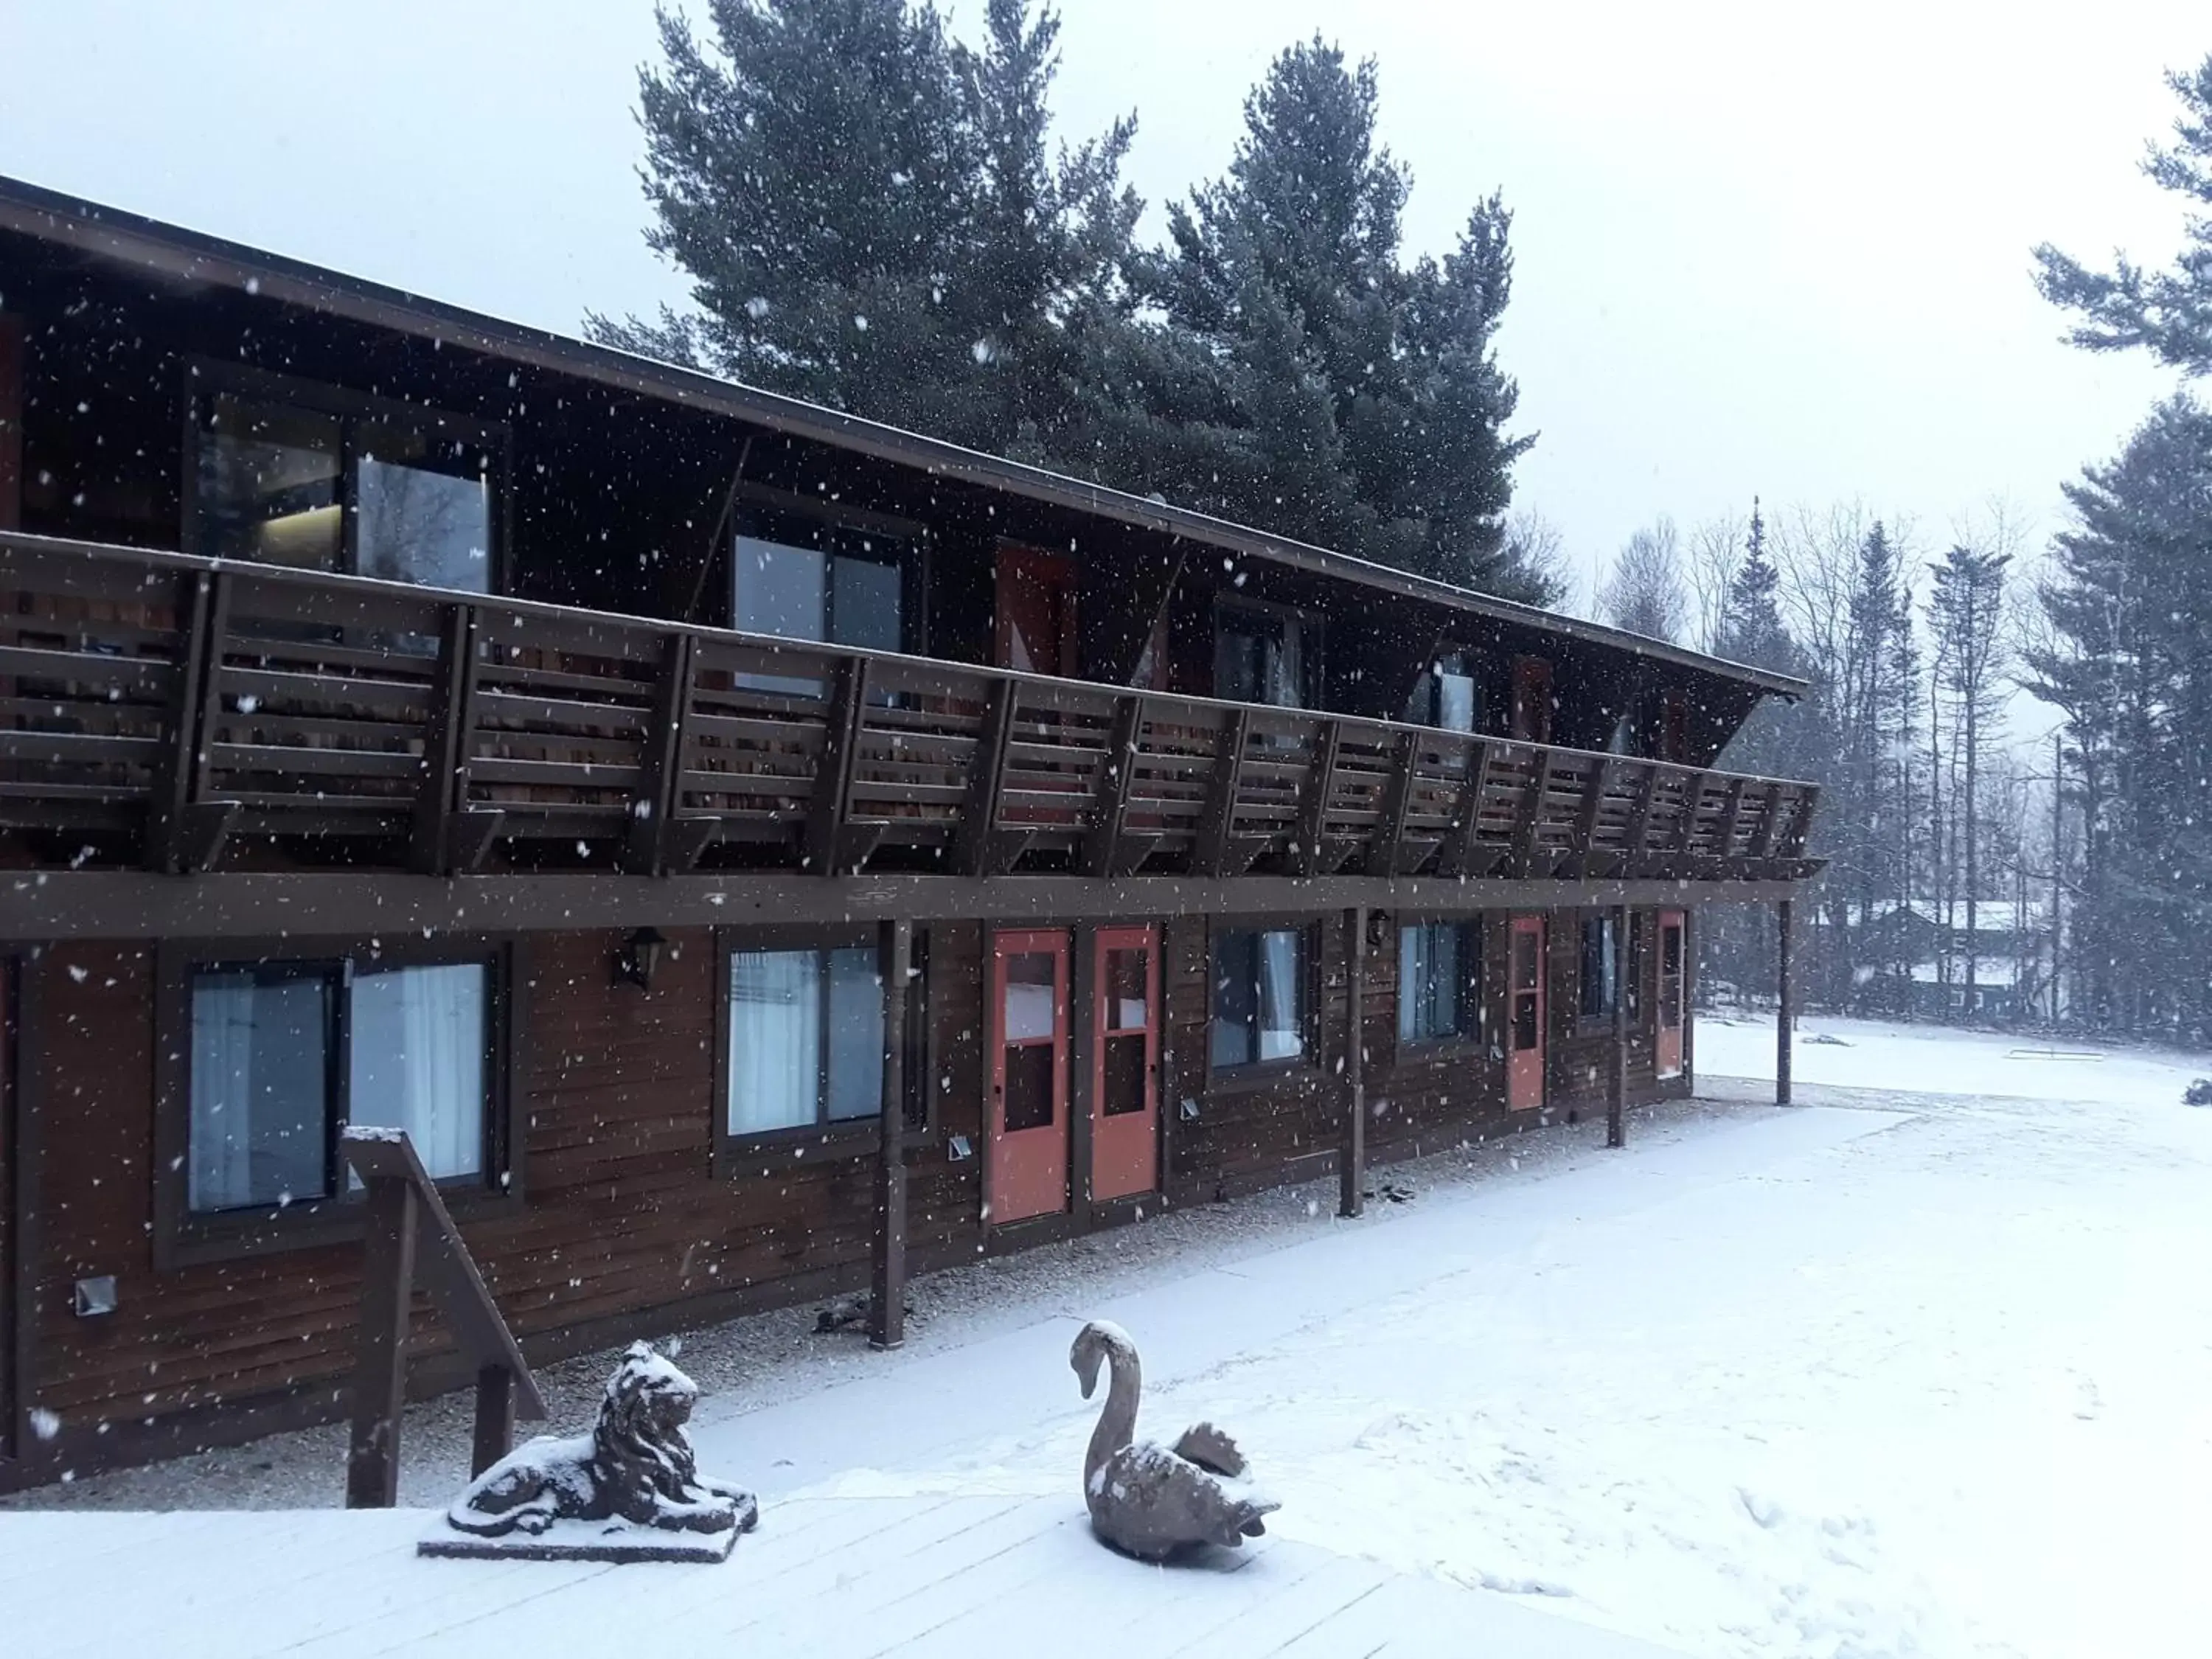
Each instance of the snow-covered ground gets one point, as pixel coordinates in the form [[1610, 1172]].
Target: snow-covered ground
[[1921, 1367]]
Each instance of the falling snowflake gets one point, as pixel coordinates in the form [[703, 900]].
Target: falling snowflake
[[44, 1423], [756, 307]]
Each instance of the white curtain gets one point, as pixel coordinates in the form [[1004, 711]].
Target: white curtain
[[775, 1039], [1282, 1028], [221, 1176], [418, 1060]]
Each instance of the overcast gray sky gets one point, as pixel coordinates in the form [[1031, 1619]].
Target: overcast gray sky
[[1761, 247]]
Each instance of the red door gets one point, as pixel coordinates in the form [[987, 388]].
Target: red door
[[1028, 1076], [1531, 700], [1524, 998], [1125, 1106], [1672, 984], [1036, 630]]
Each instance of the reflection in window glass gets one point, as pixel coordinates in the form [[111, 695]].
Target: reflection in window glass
[[1259, 996], [1439, 971], [268, 484], [262, 1043], [417, 526]]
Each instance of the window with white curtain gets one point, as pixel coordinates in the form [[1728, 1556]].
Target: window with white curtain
[[1259, 996], [806, 1038], [283, 1053]]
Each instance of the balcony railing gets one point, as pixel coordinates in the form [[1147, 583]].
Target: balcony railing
[[179, 713]]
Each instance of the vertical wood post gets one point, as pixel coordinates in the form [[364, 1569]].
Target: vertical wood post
[[1082, 1069], [1785, 1011], [494, 1430], [887, 1294], [1616, 1083], [1352, 1156], [380, 1381]]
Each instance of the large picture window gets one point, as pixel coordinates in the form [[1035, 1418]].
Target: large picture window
[[822, 582], [290, 473], [1439, 981], [805, 1036], [283, 1054], [1599, 980], [1259, 996]]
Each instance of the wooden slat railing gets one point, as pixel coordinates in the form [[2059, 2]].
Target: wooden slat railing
[[409, 1236], [171, 708]]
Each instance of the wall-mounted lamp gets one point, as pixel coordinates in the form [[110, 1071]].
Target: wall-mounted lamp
[[1378, 930], [639, 959]]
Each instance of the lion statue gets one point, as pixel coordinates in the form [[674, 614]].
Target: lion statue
[[635, 1466]]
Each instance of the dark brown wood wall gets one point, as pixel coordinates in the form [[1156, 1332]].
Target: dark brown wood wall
[[624, 1228]]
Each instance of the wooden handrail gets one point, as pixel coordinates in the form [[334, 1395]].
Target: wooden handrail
[[180, 704], [410, 1232]]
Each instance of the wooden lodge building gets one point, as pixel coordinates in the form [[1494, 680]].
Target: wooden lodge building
[[756, 853]]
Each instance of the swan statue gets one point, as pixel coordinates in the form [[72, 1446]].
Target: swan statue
[[1149, 1500]]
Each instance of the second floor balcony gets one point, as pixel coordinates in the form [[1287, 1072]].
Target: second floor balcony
[[179, 714]]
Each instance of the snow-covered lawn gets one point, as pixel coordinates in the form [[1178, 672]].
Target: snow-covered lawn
[[1890, 1373]]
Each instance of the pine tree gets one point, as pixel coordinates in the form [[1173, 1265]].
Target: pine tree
[[869, 216], [2132, 607], [1364, 403], [2167, 313]]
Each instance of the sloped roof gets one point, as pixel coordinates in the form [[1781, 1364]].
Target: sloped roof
[[133, 239]]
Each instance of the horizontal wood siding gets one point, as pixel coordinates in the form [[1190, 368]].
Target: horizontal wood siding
[[623, 1227]]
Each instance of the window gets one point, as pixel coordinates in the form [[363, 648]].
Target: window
[[1600, 983], [1439, 981], [1449, 696], [1259, 996], [1264, 656], [804, 579], [290, 473], [806, 1038], [283, 1054]]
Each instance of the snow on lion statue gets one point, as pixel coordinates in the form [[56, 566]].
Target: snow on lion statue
[[635, 1466]]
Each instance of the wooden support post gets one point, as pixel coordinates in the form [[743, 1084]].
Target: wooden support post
[[1693, 799], [1320, 784], [825, 821], [1382, 858], [887, 1294], [1529, 827], [1639, 826], [380, 1381], [653, 808], [203, 607], [1731, 819], [494, 1430], [979, 815], [1616, 1082], [1785, 1011], [445, 744], [1218, 821], [1351, 1155], [1109, 807], [1466, 818]]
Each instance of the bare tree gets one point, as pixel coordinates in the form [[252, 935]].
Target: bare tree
[[1646, 592], [1534, 544], [1714, 551]]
